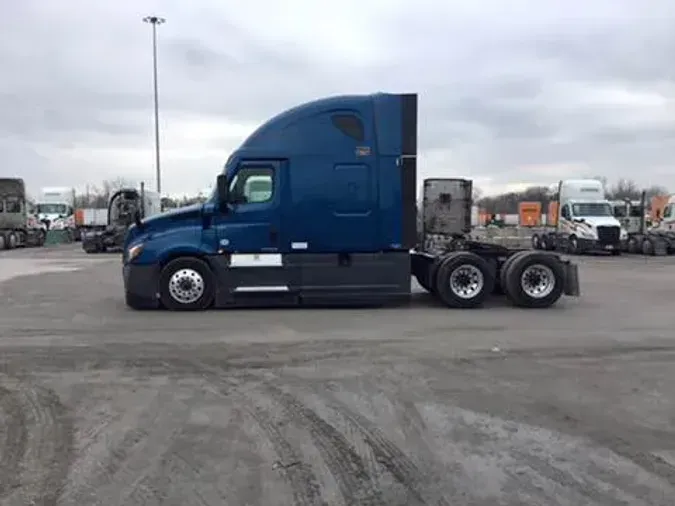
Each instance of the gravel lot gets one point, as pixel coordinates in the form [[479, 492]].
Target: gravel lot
[[409, 406]]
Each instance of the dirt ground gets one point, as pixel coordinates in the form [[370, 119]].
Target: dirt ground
[[100, 405]]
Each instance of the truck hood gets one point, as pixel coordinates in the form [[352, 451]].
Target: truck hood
[[159, 221], [599, 221]]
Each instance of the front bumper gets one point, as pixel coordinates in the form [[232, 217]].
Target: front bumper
[[595, 245], [141, 286]]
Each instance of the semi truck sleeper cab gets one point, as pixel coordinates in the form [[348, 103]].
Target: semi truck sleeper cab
[[318, 207]]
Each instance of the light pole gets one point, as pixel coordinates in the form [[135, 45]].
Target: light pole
[[154, 21]]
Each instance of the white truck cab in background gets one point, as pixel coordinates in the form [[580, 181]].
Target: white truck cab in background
[[55, 207], [585, 220], [667, 221]]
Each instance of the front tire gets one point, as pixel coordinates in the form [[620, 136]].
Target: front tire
[[573, 245], [186, 284], [12, 241], [464, 280]]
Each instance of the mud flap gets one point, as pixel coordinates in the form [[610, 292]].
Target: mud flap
[[571, 279]]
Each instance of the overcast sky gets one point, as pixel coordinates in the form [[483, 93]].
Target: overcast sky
[[511, 92]]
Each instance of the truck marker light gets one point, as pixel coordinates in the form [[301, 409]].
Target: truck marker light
[[134, 251]]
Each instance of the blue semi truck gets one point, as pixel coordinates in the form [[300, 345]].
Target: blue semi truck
[[318, 207]]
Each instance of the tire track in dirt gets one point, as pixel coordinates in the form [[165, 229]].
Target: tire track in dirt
[[304, 484], [650, 462], [299, 476], [13, 442], [388, 454], [533, 410], [122, 466], [355, 484], [46, 440]]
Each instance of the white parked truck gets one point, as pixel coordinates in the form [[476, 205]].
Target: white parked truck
[[55, 207], [585, 221]]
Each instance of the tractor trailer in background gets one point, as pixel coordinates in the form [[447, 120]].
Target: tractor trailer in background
[[55, 207], [645, 236], [330, 220], [584, 221], [123, 207], [17, 227]]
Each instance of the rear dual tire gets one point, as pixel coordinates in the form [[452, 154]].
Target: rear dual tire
[[529, 279], [463, 280], [533, 279]]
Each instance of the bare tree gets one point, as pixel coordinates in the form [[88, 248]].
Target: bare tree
[[98, 197], [476, 194], [655, 190], [624, 189]]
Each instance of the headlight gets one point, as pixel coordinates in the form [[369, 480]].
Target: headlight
[[133, 252]]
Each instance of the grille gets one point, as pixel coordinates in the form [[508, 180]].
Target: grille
[[609, 235]]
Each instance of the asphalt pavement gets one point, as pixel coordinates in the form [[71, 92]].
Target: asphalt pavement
[[419, 405]]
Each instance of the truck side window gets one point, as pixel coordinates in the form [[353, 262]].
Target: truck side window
[[252, 185], [565, 212], [349, 125], [668, 211], [13, 205]]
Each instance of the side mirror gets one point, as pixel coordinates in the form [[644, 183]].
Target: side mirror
[[137, 219], [223, 191]]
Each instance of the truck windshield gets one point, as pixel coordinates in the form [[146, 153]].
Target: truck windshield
[[620, 211], [51, 208], [636, 211], [592, 209]]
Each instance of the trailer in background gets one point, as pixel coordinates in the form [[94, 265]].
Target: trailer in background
[[89, 219]]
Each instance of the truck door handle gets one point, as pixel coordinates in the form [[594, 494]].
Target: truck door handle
[[273, 235]]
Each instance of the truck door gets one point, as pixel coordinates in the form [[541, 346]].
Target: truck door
[[249, 237], [252, 223]]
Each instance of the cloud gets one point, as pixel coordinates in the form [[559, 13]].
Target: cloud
[[510, 92]]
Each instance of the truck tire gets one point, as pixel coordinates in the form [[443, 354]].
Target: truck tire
[[573, 245], [632, 247], [12, 240], [464, 280], [544, 243], [534, 280], [536, 241], [3, 241], [648, 247], [505, 268], [41, 238], [187, 284]]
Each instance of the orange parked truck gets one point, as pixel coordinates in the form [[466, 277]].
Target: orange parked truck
[[529, 214]]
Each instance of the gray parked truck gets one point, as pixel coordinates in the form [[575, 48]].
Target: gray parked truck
[[17, 227], [123, 206]]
